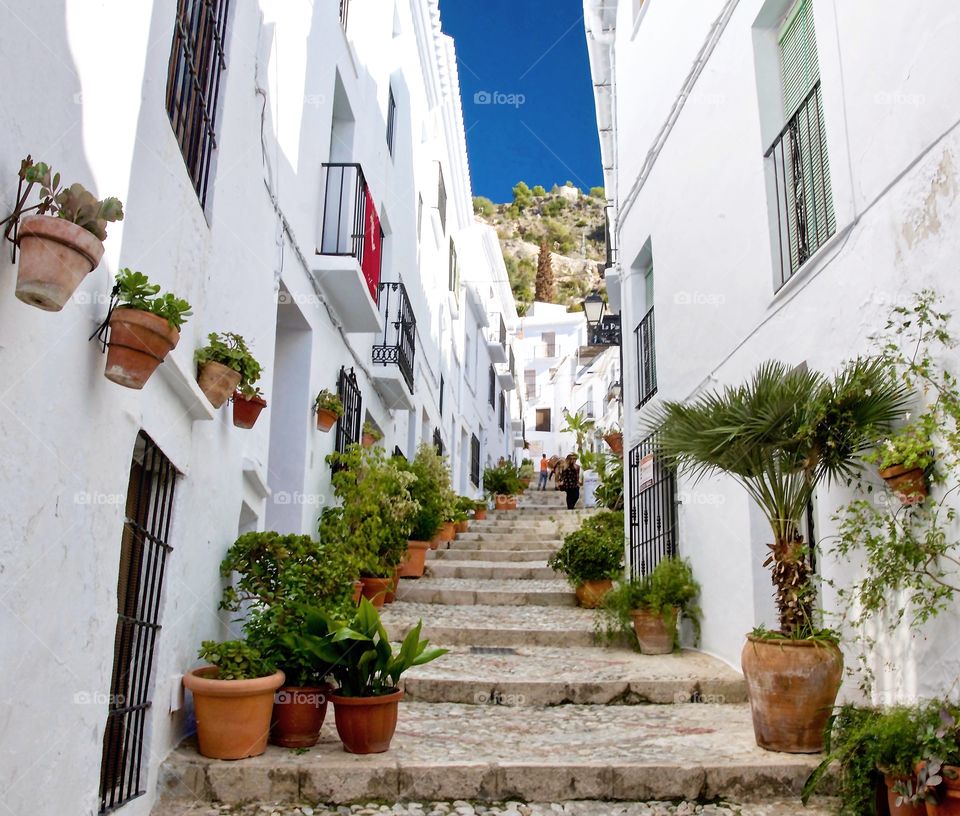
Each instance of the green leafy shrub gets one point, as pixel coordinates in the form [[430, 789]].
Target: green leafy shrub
[[484, 206], [502, 480], [598, 192], [538, 191], [135, 290], [431, 491], [235, 660], [594, 552]]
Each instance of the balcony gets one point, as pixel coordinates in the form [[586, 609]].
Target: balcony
[[348, 261], [393, 355], [497, 342], [508, 377]]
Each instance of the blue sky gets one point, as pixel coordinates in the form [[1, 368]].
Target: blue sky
[[527, 94]]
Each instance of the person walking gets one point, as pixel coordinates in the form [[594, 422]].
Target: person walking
[[569, 480], [544, 473]]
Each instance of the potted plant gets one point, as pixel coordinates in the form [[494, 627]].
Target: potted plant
[[904, 460], [502, 482], [938, 773], [464, 507], [428, 490], [614, 439], [232, 699], [59, 250], [371, 435], [224, 365], [780, 436], [648, 609], [248, 402], [480, 510], [144, 329], [328, 408], [592, 557], [276, 578], [367, 670], [525, 473]]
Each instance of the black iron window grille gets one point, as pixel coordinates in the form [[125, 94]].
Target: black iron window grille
[[349, 424], [399, 331], [454, 271], [344, 13], [438, 441], [144, 549], [502, 412], [646, 358], [398, 453], [474, 460], [197, 60], [442, 198], [441, 394], [606, 332], [802, 189], [493, 387], [652, 508], [391, 120]]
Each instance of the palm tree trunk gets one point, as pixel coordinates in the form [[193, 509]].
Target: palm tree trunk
[[791, 577]]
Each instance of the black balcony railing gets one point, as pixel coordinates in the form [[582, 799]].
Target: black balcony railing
[[801, 178], [606, 332], [652, 508], [399, 331], [646, 358]]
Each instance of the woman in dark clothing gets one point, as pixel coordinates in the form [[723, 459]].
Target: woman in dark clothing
[[569, 480]]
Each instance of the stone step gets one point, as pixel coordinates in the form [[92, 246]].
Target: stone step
[[495, 542], [545, 523], [528, 570], [545, 676], [492, 625], [505, 592], [526, 513], [523, 537], [498, 753], [457, 554]]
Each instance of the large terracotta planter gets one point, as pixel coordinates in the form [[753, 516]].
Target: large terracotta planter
[[655, 631], [246, 411], [447, 531], [415, 561], [139, 342], [909, 485], [55, 256], [366, 724], [792, 685], [463, 527], [948, 794], [480, 514], [375, 590], [298, 714], [233, 716], [590, 593], [326, 419], [504, 502], [891, 795], [218, 382]]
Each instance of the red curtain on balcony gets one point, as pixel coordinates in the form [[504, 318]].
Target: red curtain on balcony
[[372, 247]]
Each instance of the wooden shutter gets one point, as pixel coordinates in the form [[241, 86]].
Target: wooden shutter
[[798, 57]]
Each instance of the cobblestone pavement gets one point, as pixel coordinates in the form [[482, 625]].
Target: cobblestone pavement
[[494, 617]]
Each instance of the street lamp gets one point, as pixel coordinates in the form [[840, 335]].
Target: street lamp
[[593, 309]]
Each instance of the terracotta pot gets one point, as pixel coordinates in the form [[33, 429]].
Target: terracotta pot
[[391, 595], [503, 502], [246, 411], [139, 342], [415, 561], [447, 532], [590, 593], [948, 794], [326, 419], [298, 713], [218, 382], [366, 724], [463, 527], [655, 631], [480, 514], [375, 590], [233, 716], [909, 485], [55, 256], [792, 685], [357, 591], [892, 796], [368, 440], [615, 441]]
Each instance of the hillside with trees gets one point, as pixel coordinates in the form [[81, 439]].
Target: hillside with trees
[[553, 242]]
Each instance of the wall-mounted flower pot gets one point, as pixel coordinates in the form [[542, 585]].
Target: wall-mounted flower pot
[[415, 561], [298, 714], [218, 382], [368, 440], [504, 502], [910, 485], [139, 342], [55, 256], [246, 411], [366, 725], [793, 687], [233, 716], [615, 441], [655, 631], [590, 593], [375, 590], [325, 419]]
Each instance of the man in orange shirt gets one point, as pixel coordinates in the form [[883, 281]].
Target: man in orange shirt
[[544, 472]]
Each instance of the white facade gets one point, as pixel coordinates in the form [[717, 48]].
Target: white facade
[[298, 90], [690, 98]]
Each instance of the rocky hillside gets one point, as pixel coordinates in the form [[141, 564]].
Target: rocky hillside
[[570, 221]]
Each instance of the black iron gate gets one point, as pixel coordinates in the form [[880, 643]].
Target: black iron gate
[[348, 425], [653, 508]]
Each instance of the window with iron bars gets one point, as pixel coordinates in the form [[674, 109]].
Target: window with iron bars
[[441, 394], [349, 423], [197, 60], [144, 549], [646, 359], [454, 272], [344, 13], [474, 460], [442, 198], [652, 508], [503, 411], [493, 387], [391, 120], [438, 441]]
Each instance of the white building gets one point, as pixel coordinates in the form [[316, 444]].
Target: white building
[[233, 200], [701, 108]]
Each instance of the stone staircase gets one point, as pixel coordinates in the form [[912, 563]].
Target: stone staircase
[[526, 706]]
